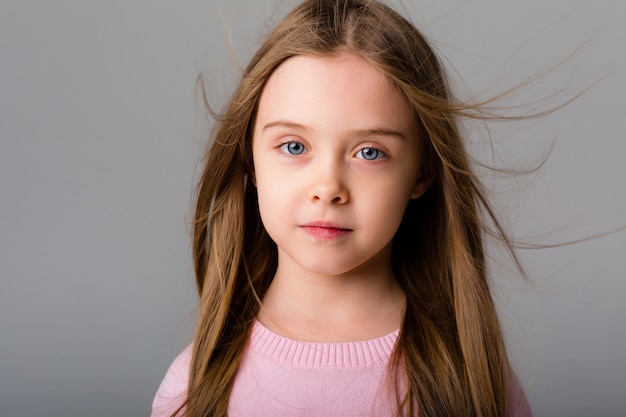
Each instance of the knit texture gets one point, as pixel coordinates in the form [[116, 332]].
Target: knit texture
[[283, 377]]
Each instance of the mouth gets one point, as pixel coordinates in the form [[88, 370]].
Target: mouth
[[326, 230]]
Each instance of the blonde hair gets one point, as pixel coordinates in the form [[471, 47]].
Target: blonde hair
[[450, 358]]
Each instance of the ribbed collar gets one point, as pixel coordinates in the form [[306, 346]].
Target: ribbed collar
[[288, 352]]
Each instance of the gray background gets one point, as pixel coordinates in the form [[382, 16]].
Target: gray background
[[101, 131]]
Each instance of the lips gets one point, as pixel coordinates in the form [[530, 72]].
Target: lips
[[326, 230]]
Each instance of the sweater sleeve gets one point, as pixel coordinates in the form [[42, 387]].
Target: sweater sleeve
[[171, 394]]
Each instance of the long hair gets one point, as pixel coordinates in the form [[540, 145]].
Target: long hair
[[450, 358]]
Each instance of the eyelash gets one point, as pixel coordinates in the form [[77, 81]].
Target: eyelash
[[284, 147], [379, 154]]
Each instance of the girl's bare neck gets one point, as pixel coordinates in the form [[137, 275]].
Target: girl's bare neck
[[345, 308]]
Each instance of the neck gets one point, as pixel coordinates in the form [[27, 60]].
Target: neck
[[358, 305]]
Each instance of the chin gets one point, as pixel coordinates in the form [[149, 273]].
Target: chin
[[330, 269]]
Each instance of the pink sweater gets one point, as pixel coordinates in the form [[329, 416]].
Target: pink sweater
[[283, 377]]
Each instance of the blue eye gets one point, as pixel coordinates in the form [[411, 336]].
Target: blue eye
[[293, 148], [370, 154]]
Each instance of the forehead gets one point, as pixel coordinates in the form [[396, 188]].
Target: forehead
[[337, 90]]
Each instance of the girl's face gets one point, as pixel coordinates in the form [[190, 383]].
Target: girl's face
[[336, 153]]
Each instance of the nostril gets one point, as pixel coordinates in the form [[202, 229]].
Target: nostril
[[329, 190]]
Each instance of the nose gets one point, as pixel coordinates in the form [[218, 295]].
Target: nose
[[328, 183]]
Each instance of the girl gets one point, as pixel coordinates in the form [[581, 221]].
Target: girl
[[338, 237]]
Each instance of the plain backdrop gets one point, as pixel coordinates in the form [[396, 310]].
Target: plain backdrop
[[101, 131]]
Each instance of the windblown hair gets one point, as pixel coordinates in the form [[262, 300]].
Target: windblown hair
[[450, 358]]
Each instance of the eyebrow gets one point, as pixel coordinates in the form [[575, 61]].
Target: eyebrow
[[284, 123], [376, 131]]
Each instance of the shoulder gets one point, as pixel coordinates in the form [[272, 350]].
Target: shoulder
[[517, 403], [173, 389]]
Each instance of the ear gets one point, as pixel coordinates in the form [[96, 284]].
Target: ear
[[423, 182]]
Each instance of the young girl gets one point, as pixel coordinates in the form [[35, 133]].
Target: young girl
[[338, 239]]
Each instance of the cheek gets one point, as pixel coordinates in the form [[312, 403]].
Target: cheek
[[387, 202], [275, 197], [271, 188], [392, 190], [265, 198]]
